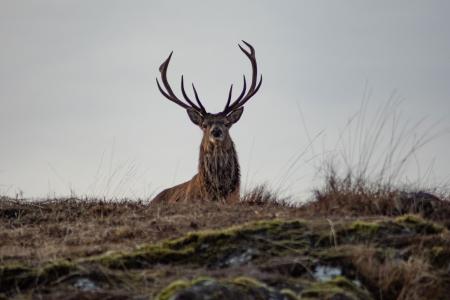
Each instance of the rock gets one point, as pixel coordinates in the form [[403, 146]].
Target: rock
[[416, 203]]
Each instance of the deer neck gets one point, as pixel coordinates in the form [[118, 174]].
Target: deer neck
[[218, 169]]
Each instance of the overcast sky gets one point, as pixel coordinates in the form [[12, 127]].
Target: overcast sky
[[80, 111]]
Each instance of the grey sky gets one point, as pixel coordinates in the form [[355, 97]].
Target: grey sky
[[80, 110]]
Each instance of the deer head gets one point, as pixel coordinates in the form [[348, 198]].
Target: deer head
[[215, 126]]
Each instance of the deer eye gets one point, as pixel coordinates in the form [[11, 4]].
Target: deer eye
[[204, 125]]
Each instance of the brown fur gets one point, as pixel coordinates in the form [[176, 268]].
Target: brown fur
[[218, 177]]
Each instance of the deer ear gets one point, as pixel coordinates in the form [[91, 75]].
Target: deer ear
[[195, 116], [235, 115]]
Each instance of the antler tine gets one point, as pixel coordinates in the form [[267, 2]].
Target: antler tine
[[198, 100], [175, 100], [163, 71], [186, 96], [250, 94], [169, 94], [252, 58], [254, 87], [229, 98], [244, 88]]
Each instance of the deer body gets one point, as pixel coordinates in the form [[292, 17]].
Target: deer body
[[218, 177]]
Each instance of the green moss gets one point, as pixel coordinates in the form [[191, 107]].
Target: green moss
[[331, 255], [289, 294], [273, 228], [411, 219], [172, 289], [439, 255], [365, 228], [358, 231], [13, 270], [251, 288], [22, 276], [142, 257], [239, 287], [248, 282], [332, 288], [205, 247], [55, 269], [418, 224], [201, 279]]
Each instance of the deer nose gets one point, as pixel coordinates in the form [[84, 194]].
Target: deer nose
[[216, 132]]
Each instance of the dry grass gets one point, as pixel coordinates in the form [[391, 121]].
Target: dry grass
[[353, 196], [367, 171], [66, 228], [44, 230], [37, 232], [403, 279]]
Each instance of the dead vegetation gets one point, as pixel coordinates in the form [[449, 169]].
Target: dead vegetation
[[65, 228], [348, 243], [350, 196]]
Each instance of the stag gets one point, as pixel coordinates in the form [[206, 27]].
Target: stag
[[218, 177]]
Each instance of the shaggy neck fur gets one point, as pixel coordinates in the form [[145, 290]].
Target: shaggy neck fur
[[218, 169]]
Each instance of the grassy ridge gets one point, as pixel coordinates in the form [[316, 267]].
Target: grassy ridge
[[355, 244]]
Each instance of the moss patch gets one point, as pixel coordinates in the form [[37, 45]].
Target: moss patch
[[337, 288], [365, 228], [210, 247], [18, 276], [245, 288], [251, 288], [419, 225], [173, 289]]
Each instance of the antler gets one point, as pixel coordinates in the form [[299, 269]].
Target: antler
[[169, 94], [244, 97]]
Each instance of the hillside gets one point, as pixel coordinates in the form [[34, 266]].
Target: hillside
[[340, 246]]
